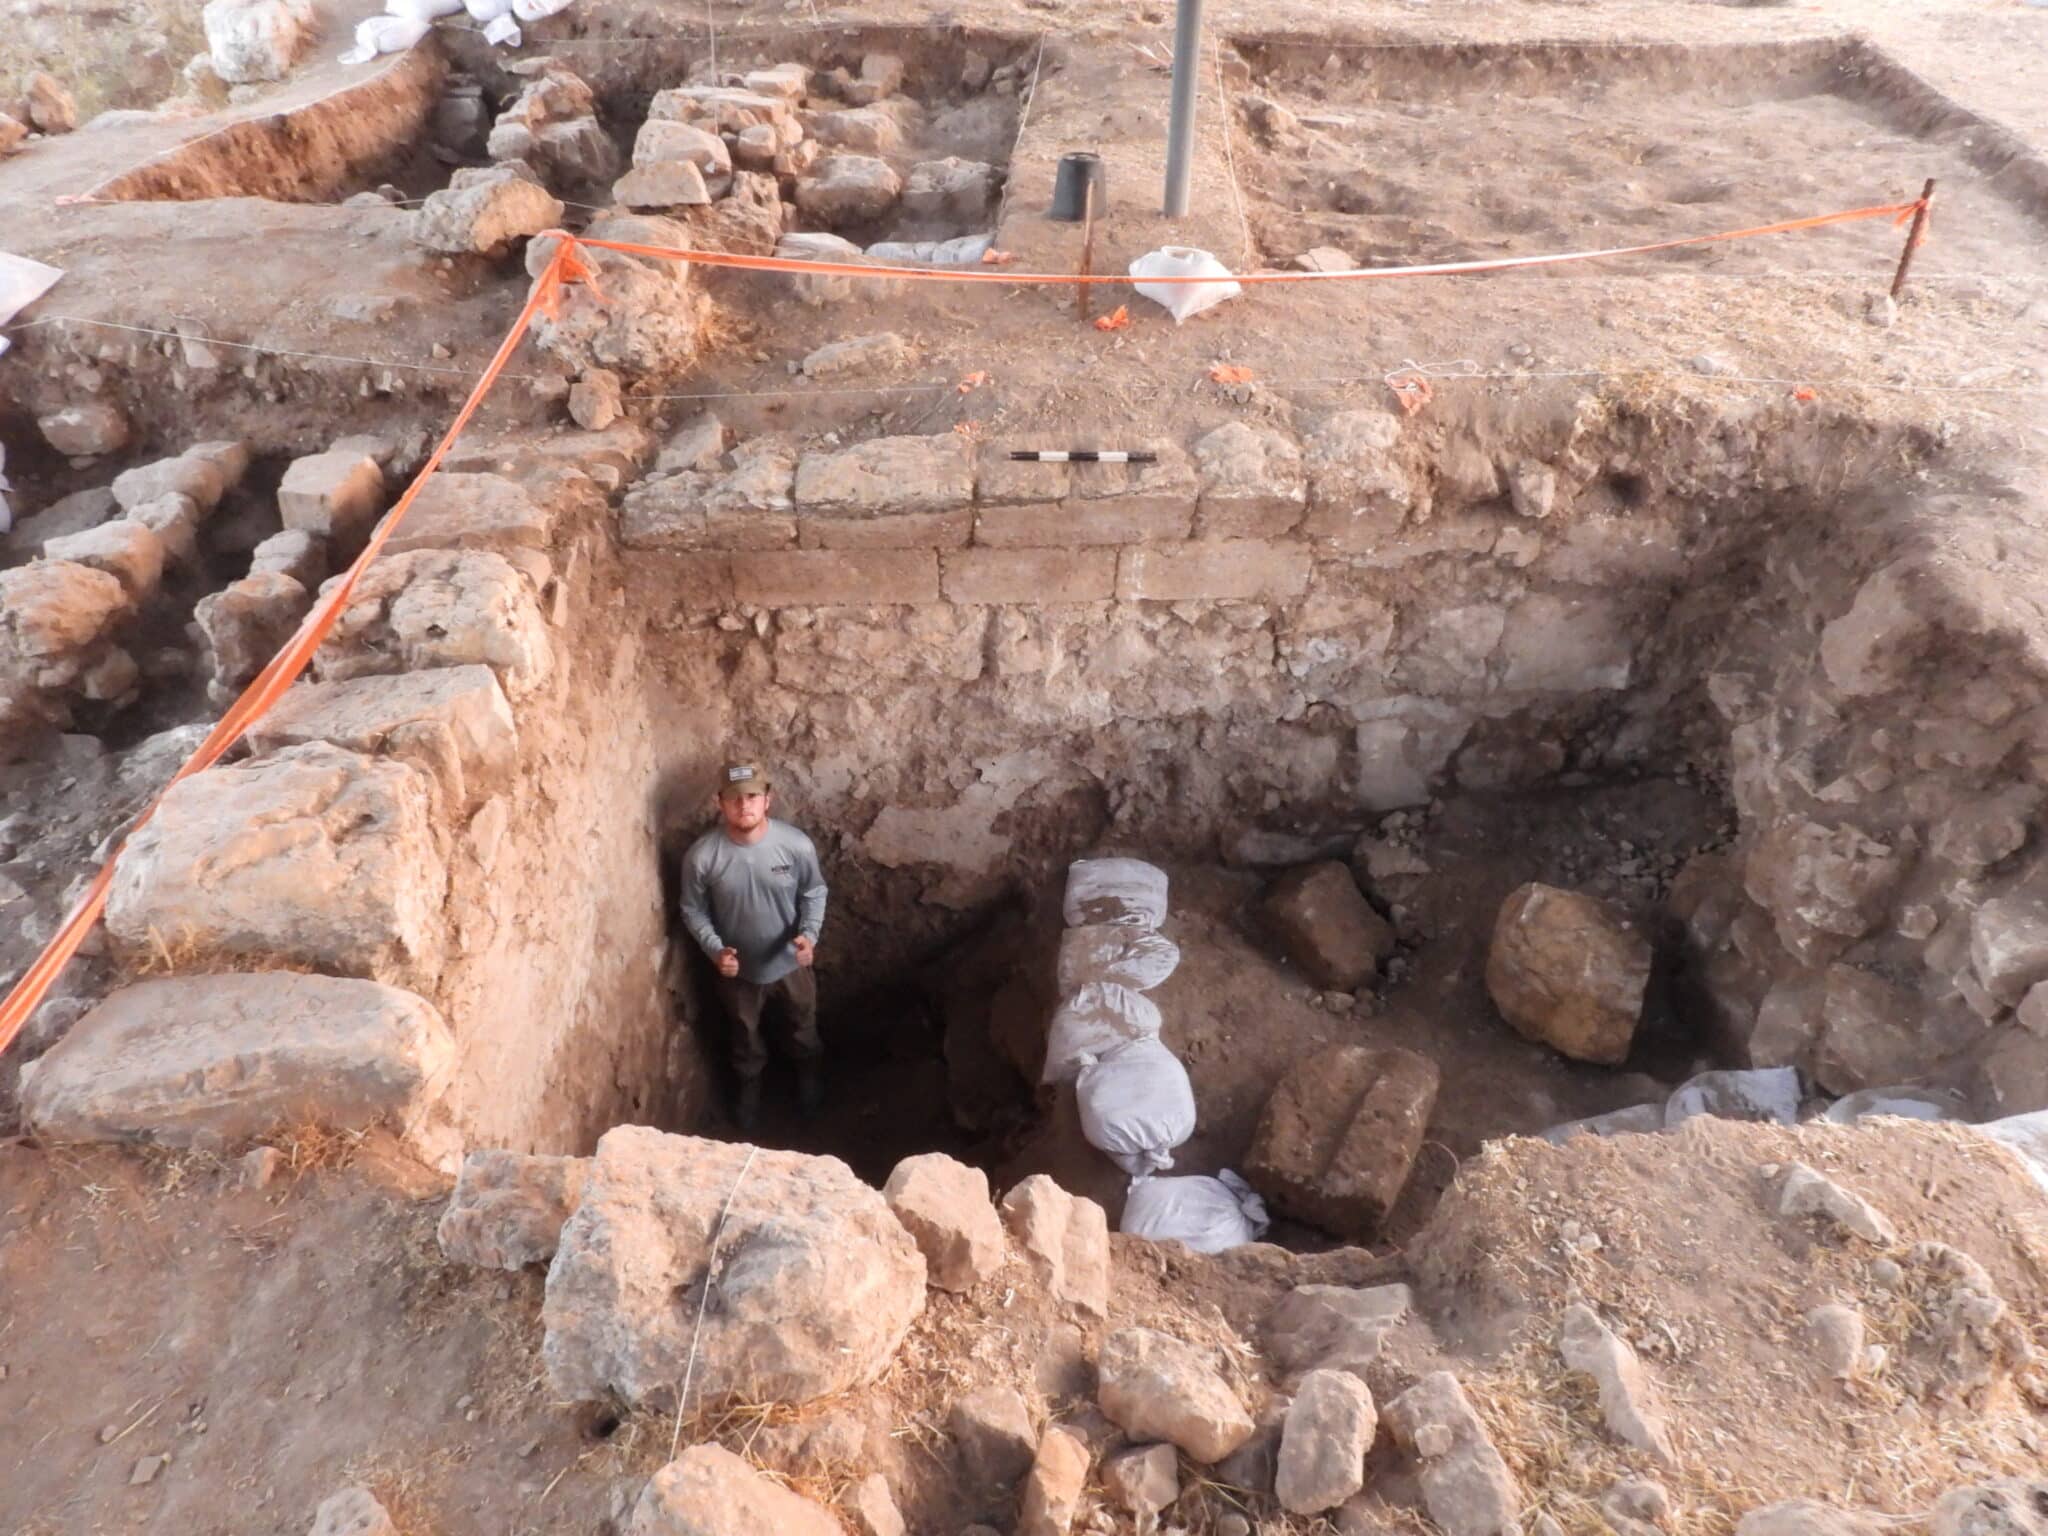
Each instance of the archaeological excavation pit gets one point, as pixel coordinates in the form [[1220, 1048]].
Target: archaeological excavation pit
[[1601, 704]]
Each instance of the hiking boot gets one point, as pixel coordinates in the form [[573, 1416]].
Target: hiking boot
[[810, 1087], [747, 1109]]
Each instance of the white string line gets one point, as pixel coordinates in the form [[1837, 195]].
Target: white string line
[[1023, 118], [704, 1300], [1229, 157]]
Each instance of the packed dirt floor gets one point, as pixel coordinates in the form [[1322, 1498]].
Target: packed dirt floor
[[213, 1340]]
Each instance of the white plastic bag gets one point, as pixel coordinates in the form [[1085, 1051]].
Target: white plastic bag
[[2026, 1135], [1905, 1103], [535, 10], [503, 32], [1113, 952], [1183, 300], [1761, 1093], [1137, 1106], [1091, 1023], [1209, 1215], [384, 34], [423, 10], [487, 10], [1126, 891]]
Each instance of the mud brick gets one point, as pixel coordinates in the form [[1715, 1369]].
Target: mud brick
[[1339, 1135], [1214, 569], [905, 530], [1042, 525], [1030, 575], [827, 578]]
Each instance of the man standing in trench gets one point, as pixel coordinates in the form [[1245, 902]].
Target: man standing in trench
[[754, 899]]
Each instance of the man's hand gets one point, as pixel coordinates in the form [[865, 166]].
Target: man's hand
[[805, 949], [728, 962]]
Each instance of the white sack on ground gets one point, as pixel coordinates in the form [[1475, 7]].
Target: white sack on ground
[[1091, 1023], [1127, 891], [424, 10], [536, 10], [1184, 300], [1137, 1106], [487, 10], [1113, 952], [2026, 1135], [1209, 1215], [1910, 1103], [1759, 1093], [384, 34]]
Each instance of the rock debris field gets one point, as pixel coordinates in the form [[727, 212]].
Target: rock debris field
[[1458, 947]]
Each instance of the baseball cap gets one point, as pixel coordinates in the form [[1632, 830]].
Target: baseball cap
[[743, 778]]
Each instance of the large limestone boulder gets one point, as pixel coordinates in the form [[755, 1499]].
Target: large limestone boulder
[[483, 210], [222, 1058], [708, 1491], [247, 623], [1328, 1430], [54, 614], [508, 1208], [1823, 886], [944, 1205], [845, 190], [646, 326], [316, 856], [1568, 971], [1155, 1387], [123, 548], [816, 1282], [1340, 1134], [1064, 1238], [255, 40], [440, 608], [452, 723], [1327, 927]]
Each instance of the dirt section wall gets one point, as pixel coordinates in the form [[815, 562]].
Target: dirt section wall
[[1590, 590]]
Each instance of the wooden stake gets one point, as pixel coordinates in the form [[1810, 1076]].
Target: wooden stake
[[1913, 236], [1081, 290]]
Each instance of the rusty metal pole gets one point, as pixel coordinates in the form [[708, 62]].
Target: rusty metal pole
[[1913, 236]]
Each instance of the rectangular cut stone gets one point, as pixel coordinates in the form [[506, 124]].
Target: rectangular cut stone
[[451, 722], [1035, 576], [1040, 526], [1169, 481], [1000, 480], [473, 511], [440, 608], [1213, 569], [225, 1058], [334, 495], [888, 475], [836, 578], [1252, 482], [1340, 1133], [905, 530], [314, 857]]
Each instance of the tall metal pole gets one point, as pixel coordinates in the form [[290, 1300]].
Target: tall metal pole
[[1180, 130]]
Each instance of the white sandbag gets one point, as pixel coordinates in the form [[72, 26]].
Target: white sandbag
[[1636, 1120], [1905, 1103], [423, 10], [1209, 1215], [961, 251], [535, 10], [1113, 952], [1091, 1023], [1184, 300], [1137, 1106], [2026, 1135], [384, 34], [487, 10], [1115, 891], [1760, 1093], [503, 32]]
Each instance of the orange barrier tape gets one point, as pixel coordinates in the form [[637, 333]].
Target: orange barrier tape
[[566, 266], [1898, 213], [281, 672]]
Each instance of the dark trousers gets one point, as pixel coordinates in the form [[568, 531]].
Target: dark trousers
[[789, 1005]]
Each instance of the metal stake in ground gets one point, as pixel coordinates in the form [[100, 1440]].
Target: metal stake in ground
[[1081, 290], [1914, 236], [1180, 129]]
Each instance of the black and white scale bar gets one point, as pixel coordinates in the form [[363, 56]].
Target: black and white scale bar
[[1085, 456]]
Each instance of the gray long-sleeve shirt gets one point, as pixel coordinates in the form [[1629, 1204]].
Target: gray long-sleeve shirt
[[754, 897]]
